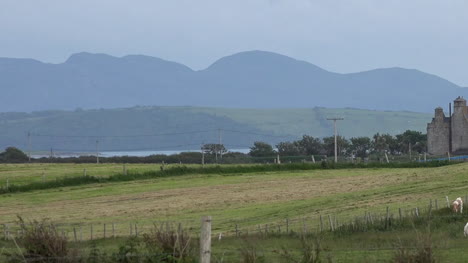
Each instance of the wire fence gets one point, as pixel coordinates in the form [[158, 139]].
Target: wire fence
[[317, 223]]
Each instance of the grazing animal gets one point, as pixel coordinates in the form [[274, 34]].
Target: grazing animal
[[457, 205], [465, 232]]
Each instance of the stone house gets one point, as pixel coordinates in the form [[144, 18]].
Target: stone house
[[449, 134]]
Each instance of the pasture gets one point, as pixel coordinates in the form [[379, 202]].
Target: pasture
[[248, 200]]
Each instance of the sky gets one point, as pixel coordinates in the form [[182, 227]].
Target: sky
[[338, 35]]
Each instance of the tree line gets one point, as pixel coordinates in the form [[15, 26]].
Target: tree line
[[409, 141], [404, 143]]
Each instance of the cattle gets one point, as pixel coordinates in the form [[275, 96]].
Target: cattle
[[457, 205]]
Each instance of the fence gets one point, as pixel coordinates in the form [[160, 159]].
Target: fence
[[328, 223], [307, 224]]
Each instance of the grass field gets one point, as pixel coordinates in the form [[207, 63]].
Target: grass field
[[249, 200]]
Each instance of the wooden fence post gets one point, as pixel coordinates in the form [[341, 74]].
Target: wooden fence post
[[387, 219], [417, 212], [113, 230], [81, 234], [74, 234], [436, 205], [104, 231], [237, 230], [91, 231], [287, 225], [136, 230], [321, 223], [84, 171], [399, 212], [330, 222], [430, 207], [205, 240], [447, 199], [131, 229]]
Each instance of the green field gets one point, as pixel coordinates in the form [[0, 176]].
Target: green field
[[250, 200]]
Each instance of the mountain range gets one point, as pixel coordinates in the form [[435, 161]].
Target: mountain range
[[253, 79]]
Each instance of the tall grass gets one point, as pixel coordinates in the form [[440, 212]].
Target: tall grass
[[218, 169]]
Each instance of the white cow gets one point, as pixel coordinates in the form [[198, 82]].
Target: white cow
[[457, 205]]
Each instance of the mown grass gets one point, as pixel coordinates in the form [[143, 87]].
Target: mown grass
[[217, 169], [253, 200]]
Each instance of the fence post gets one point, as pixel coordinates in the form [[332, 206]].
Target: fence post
[[417, 212], [447, 199], [430, 207], [74, 233], [136, 230], [237, 230], [84, 171], [7, 183], [205, 240], [331, 223], [81, 235], [104, 231], [5, 231], [399, 211], [287, 225], [91, 231], [131, 229], [436, 205], [321, 223], [113, 230], [387, 219]]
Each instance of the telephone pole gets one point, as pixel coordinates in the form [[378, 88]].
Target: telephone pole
[[97, 151], [334, 130], [29, 146], [220, 143]]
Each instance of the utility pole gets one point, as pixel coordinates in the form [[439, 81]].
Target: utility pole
[[334, 130], [29, 146], [220, 143], [97, 151], [203, 155]]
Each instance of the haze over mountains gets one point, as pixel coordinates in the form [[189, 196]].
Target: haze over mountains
[[253, 79]]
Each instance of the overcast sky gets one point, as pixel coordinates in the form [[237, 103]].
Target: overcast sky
[[338, 35]]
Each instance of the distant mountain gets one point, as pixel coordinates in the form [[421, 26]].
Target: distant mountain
[[185, 128], [253, 79]]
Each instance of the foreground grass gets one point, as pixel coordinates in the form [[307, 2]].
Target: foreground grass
[[247, 200]]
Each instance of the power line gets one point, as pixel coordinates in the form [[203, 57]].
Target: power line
[[118, 136]]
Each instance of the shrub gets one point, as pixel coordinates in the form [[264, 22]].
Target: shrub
[[41, 242], [169, 245], [421, 251]]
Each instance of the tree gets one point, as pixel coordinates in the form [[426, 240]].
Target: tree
[[13, 155], [310, 145], [342, 145], [261, 149], [361, 146], [414, 139], [289, 148], [384, 142]]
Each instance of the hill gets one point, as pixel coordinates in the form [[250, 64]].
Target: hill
[[254, 79], [183, 128]]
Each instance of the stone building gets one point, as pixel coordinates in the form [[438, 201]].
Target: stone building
[[449, 134]]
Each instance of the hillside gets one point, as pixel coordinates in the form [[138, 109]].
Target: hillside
[[253, 79], [173, 128]]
